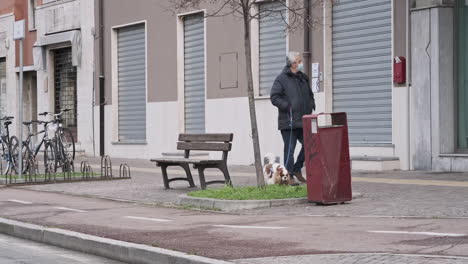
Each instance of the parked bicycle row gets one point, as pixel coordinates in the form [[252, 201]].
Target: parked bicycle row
[[55, 142]]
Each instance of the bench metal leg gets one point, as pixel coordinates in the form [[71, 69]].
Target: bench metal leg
[[201, 174], [165, 178], [225, 171], [186, 167]]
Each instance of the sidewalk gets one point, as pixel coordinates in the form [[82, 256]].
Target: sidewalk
[[406, 203], [395, 193], [217, 235]]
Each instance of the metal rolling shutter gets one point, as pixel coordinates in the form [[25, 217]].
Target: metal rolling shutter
[[132, 83], [2, 87], [272, 44], [194, 73], [65, 88], [362, 70]]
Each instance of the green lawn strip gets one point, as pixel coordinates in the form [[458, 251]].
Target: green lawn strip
[[253, 193]]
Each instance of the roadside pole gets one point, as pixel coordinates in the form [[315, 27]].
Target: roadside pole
[[19, 32]]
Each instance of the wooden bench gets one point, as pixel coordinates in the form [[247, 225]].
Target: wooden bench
[[198, 142]]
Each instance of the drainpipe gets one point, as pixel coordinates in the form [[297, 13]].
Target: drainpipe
[[408, 79], [307, 57], [102, 98]]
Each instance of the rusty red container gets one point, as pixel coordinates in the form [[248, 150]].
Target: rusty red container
[[327, 161]]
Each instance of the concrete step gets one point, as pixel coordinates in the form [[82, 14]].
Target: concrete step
[[375, 163], [374, 150], [79, 150]]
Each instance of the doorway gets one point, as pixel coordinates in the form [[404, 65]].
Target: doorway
[[65, 88]]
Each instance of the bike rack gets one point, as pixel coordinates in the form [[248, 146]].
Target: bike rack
[[106, 167], [48, 173], [33, 170], [9, 177], [124, 171], [67, 170], [31, 175], [86, 170]]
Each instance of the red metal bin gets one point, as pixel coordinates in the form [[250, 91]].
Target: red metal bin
[[327, 161]]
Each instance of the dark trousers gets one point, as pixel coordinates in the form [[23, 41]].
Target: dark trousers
[[290, 138]]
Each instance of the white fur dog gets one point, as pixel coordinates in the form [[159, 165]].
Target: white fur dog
[[275, 173]]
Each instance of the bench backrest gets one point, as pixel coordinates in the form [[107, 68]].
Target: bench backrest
[[205, 142]]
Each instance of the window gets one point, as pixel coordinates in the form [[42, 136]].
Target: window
[[32, 14], [131, 75], [272, 43]]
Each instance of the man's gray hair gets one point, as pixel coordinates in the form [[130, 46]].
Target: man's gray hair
[[292, 56]]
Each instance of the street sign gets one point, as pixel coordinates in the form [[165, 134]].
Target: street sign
[[19, 30]]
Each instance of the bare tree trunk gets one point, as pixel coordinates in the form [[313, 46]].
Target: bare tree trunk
[[250, 91]]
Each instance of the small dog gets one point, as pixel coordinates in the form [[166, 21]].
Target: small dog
[[275, 173]]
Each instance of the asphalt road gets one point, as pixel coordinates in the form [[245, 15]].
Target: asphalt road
[[20, 251], [231, 236]]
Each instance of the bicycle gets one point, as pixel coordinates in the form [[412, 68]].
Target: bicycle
[[29, 151], [9, 148], [60, 150]]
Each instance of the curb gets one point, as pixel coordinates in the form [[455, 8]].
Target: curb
[[233, 205], [104, 247]]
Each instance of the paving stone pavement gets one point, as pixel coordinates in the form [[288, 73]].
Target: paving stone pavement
[[379, 199], [356, 259]]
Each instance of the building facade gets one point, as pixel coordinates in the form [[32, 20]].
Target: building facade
[[439, 89], [167, 74], [58, 63]]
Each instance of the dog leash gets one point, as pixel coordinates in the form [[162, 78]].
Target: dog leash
[[290, 135]]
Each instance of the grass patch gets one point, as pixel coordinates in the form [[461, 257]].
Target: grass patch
[[253, 193]]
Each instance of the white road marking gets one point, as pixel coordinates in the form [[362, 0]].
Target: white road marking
[[70, 209], [419, 233], [19, 201], [390, 216], [251, 227], [148, 219]]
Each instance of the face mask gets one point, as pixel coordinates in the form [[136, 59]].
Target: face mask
[[300, 67]]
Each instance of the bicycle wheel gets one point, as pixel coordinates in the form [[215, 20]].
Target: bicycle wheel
[[27, 156], [50, 157], [14, 153], [67, 144], [5, 154]]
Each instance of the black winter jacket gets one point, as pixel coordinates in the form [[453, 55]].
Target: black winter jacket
[[292, 91]]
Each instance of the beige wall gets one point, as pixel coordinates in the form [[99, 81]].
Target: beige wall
[[223, 35], [161, 35]]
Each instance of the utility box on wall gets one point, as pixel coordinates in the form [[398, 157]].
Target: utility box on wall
[[399, 70]]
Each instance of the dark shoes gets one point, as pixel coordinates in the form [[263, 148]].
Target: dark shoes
[[300, 177]]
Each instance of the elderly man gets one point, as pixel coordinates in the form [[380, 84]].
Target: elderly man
[[292, 95]]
